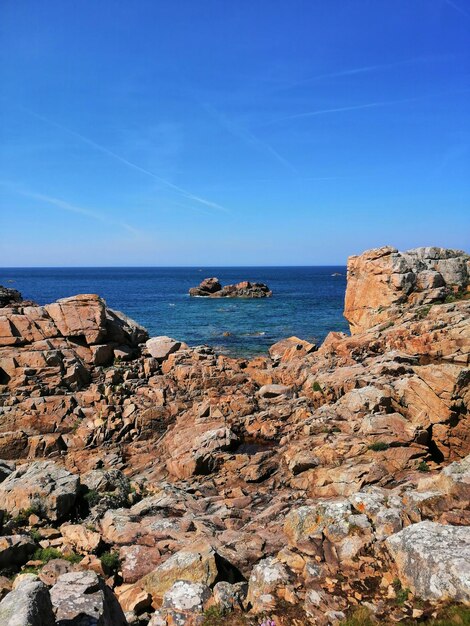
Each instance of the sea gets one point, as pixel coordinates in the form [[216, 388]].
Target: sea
[[307, 301]]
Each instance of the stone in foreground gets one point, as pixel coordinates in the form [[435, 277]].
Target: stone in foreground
[[78, 596], [433, 560], [28, 604]]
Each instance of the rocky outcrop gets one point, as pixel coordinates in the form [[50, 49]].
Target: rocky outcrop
[[384, 281], [9, 296], [178, 479], [211, 288]]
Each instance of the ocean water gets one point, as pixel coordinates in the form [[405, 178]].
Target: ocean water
[[307, 301]]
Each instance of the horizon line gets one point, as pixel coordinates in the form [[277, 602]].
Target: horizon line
[[67, 267]]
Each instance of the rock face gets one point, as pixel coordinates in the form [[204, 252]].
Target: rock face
[[381, 281], [317, 478], [42, 487], [434, 560], [211, 288]]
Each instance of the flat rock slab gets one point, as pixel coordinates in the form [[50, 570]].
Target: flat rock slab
[[433, 560]]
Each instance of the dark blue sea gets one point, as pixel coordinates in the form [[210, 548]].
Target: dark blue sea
[[307, 301]]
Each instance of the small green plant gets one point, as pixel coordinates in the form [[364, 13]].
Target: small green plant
[[22, 518], [316, 386], [35, 535], [360, 617], [110, 561], [92, 497], [460, 294], [213, 616], [30, 570], [401, 595], [422, 312], [423, 467], [47, 554], [378, 446]]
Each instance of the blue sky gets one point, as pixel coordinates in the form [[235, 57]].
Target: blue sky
[[201, 132]]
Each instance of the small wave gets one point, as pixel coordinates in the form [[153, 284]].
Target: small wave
[[258, 333], [171, 304]]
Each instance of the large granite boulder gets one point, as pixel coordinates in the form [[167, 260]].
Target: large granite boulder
[[80, 598], [190, 566], [29, 604], [42, 487], [433, 560], [82, 316], [160, 348], [384, 277]]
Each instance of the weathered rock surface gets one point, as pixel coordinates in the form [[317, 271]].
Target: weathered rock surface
[[28, 604], [211, 288], [293, 472], [42, 487], [434, 560], [80, 596], [383, 278]]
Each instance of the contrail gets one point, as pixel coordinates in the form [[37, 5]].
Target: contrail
[[457, 8], [364, 70], [71, 208], [114, 155], [247, 136], [357, 107]]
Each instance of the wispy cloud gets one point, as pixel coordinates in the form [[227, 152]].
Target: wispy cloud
[[183, 192], [457, 8], [247, 136], [70, 208]]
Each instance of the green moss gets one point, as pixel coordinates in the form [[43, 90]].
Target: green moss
[[423, 467], [378, 446]]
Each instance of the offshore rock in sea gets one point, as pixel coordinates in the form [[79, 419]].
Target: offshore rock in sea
[[211, 288]]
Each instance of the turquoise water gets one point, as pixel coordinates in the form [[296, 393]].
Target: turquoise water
[[307, 301]]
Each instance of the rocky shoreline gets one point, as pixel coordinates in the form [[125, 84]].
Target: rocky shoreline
[[143, 481], [211, 288]]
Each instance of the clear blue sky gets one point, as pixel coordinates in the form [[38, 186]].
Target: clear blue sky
[[210, 132]]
